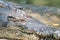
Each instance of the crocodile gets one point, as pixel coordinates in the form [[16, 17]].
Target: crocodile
[[28, 22]]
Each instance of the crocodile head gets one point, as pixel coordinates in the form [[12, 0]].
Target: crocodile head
[[18, 17]]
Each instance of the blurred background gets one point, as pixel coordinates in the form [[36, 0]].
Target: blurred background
[[55, 3]]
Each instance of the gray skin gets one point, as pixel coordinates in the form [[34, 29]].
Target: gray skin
[[42, 29], [30, 23]]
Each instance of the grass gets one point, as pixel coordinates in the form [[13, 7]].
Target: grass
[[55, 3]]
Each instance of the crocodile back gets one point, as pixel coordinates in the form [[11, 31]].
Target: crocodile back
[[39, 27]]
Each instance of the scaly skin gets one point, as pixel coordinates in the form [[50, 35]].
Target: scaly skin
[[42, 29], [31, 24]]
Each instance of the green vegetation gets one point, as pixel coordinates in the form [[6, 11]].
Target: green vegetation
[[55, 3]]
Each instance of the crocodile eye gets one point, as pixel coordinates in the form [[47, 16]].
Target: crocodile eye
[[20, 8], [10, 18]]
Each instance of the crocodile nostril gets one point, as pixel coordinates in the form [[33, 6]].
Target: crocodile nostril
[[10, 18]]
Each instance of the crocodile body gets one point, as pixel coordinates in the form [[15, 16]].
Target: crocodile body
[[31, 24], [42, 29]]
